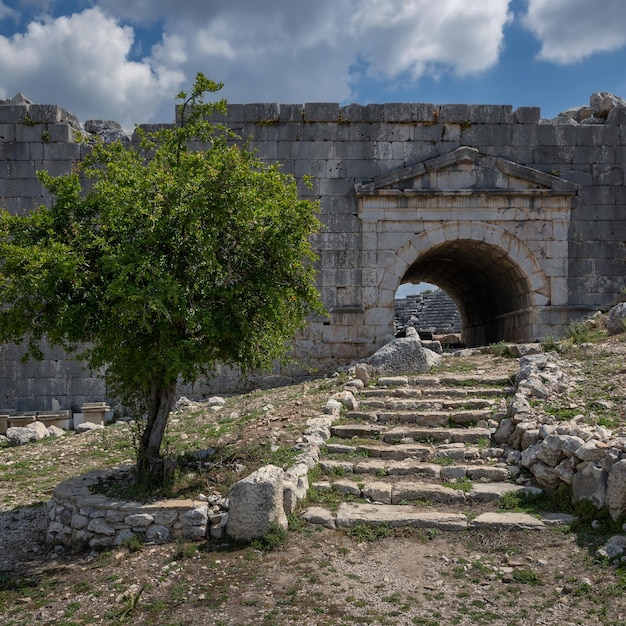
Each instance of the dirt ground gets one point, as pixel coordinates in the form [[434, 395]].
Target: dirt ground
[[314, 577]]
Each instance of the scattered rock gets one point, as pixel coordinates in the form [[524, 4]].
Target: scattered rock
[[616, 321], [256, 502], [86, 427], [21, 435], [602, 102], [404, 356]]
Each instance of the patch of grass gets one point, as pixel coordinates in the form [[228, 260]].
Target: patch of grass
[[272, 539], [460, 484], [184, 550], [500, 349], [526, 576], [134, 543], [365, 532], [443, 460], [560, 412], [556, 501], [549, 344]]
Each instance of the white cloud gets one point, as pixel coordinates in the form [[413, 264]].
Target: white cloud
[[81, 62], [290, 51], [275, 50], [570, 30], [420, 36]]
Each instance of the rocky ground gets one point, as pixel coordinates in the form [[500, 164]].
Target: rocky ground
[[312, 575]]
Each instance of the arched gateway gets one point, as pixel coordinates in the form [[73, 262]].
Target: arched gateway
[[490, 232]]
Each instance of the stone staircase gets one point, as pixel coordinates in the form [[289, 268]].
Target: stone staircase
[[417, 452]]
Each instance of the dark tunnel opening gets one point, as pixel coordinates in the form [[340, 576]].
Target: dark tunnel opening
[[489, 289]]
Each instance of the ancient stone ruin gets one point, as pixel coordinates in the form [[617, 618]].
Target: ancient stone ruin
[[518, 218]]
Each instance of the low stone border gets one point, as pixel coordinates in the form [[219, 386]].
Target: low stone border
[[80, 519]]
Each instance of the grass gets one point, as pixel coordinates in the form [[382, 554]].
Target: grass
[[365, 532], [460, 484]]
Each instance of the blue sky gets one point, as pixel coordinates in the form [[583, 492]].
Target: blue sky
[[126, 59]]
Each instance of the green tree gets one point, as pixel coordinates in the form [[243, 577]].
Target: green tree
[[157, 262]]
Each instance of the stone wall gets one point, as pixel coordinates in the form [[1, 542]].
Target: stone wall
[[81, 519], [519, 219]]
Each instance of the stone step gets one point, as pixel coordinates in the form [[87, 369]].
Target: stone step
[[453, 435], [413, 467], [348, 431], [439, 404], [419, 451], [449, 392], [434, 418], [351, 514], [445, 453], [450, 380]]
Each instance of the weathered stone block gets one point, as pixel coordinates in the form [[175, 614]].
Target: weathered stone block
[[616, 490], [321, 112], [256, 504], [527, 115], [590, 483]]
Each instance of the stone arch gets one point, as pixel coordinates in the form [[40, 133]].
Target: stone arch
[[492, 276]]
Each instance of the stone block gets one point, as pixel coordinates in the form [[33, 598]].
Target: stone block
[[458, 113], [426, 112], [400, 112], [13, 114], [370, 113], [616, 490], [321, 112], [590, 483], [261, 112], [61, 151], [256, 503], [52, 114], [527, 115], [7, 132]]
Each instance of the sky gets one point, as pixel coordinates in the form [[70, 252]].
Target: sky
[[126, 60]]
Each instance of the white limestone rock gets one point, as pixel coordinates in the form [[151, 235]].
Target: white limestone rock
[[602, 102], [616, 321], [545, 475], [614, 547], [55, 431], [590, 483], [616, 490], [256, 503], [406, 355], [157, 534], [364, 372], [578, 114], [107, 130], [347, 399], [86, 427], [319, 516], [21, 435]]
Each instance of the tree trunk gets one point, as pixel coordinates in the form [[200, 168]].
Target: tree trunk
[[152, 469]]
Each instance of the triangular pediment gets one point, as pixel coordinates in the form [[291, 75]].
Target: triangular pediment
[[466, 170]]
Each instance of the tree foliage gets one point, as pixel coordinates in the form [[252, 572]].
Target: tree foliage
[[156, 262]]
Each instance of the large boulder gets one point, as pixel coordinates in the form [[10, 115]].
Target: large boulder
[[256, 504], [406, 355], [602, 102], [20, 435], [615, 324], [107, 130]]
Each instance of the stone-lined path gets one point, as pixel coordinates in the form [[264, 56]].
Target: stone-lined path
[[417, 452]]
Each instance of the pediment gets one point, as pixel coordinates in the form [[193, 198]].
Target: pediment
[[467, 171]]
